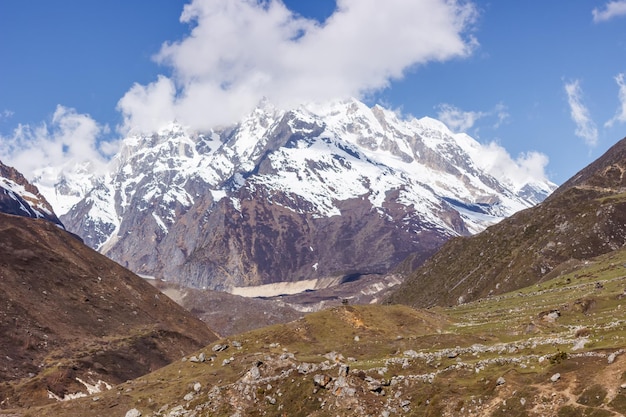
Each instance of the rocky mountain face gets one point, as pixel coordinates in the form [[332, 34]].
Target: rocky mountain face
[[583, 218], [21, 198], [320, 191], [73, 322]]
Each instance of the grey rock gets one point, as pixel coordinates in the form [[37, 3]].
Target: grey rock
[[322, 380], [220, 348], [133, 413]]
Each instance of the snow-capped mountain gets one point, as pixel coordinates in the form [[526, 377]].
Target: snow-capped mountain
[[21, 198], [323, 190]]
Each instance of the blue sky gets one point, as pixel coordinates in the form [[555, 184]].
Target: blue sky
[[536, 77]]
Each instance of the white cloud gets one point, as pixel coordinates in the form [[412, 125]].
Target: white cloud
[[528, 167], [611, 9], [6, 114], [585, 126], [459, 120], [70, 137], [456, 119], [240, 51], [620, 116], [501, 112]]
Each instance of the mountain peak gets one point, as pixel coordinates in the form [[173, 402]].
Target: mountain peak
[[272, 197]]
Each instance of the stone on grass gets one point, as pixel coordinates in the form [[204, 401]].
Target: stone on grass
[[133, 413]]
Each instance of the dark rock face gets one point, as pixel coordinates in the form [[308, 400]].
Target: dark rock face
[[21, 198], [261, 243], [584, 218]]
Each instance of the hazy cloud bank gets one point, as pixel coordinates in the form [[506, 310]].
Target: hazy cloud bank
[[69, 137]]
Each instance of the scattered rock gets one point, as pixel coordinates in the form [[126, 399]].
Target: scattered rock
[[188, 397], [611, 358], [133, 413], [334, 357], [552, 316], [237, 344], [197, 387], [343, 370], [374, 385], [501, 381], [410, 353], [220, 348], [305, 368], [253, 374], [555, 377], [322, 380], [225, 362]]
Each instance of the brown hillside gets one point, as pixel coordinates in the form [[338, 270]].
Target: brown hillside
[[67, 312], [586, 217]]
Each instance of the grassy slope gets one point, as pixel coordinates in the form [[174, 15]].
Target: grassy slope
[[444, 361], [529, 247]]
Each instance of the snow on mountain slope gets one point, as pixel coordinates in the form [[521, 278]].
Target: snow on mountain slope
[[228, 206], [19, 197]]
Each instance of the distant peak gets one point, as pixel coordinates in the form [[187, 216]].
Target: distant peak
[[171, 127], [434, 124]]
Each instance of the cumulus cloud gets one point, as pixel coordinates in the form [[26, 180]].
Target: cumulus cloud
[[240, 51], [69, 137], [459, 120], [620, 116], [528, 167], [585, 127], [609, 11]]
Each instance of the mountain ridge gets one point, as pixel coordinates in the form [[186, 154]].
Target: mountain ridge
[[582, 219], [222, 207]]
